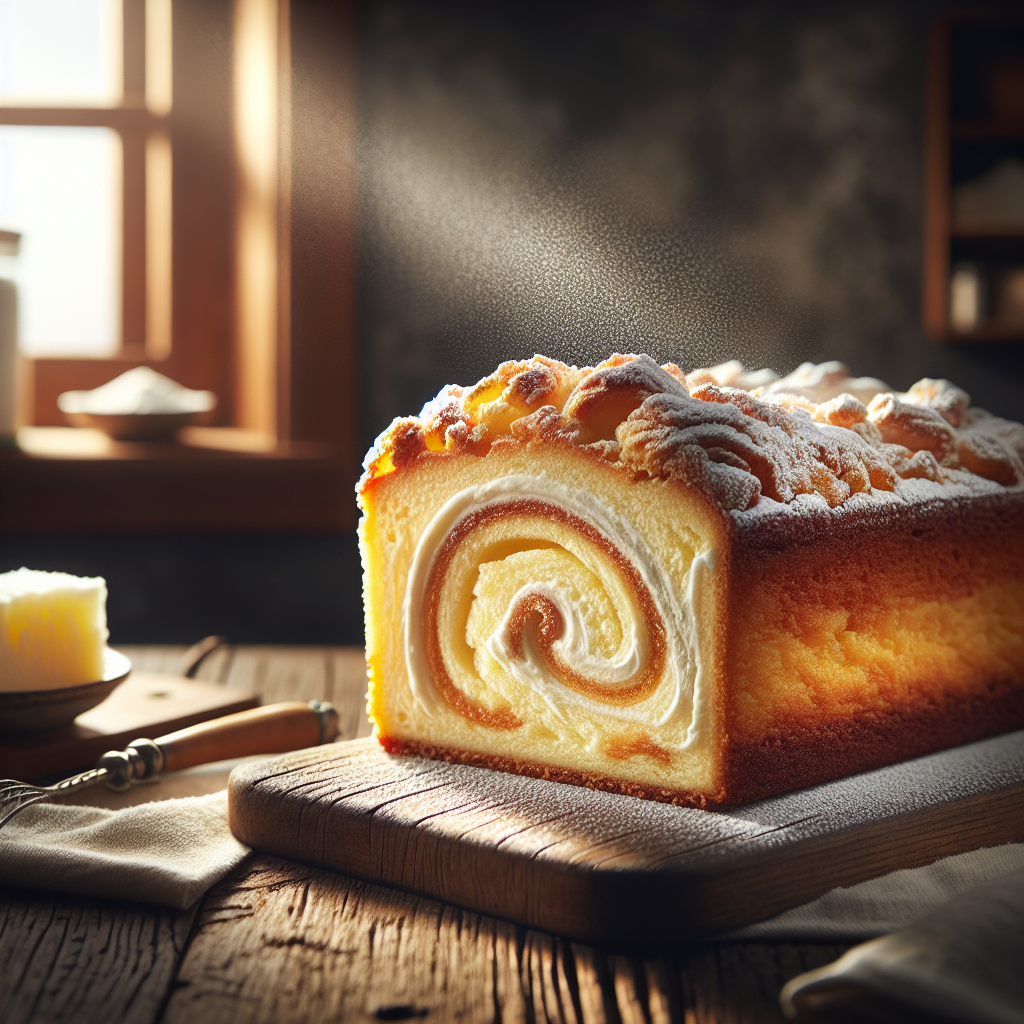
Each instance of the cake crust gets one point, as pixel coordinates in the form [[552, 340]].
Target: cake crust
[[552, 773], [832, 749]]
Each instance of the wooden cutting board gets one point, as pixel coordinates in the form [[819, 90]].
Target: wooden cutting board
[[149, 704], [615, 869]]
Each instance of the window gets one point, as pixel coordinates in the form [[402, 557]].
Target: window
[[194, 198], [85, 88], [60, 188], [128, 258]]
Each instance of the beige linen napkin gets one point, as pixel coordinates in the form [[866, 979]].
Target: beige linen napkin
[[166, 851], [883, 904], [962, 963]]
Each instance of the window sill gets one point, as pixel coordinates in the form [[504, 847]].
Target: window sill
[[58, 479]]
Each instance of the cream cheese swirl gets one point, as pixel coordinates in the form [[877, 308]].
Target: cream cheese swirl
[[543, 642]]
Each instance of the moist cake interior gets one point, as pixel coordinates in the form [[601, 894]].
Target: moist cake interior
[[637, 629]]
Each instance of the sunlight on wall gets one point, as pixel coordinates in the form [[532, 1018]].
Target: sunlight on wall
[[256, 145], [159, 231], [159, 56]]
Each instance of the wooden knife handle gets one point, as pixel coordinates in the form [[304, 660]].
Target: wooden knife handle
[[274, 729]]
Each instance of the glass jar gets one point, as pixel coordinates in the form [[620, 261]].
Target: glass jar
[[10, 242]]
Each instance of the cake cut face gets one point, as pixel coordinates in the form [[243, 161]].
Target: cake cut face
[[703, 587]]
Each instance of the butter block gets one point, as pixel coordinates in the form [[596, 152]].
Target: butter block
[[53, 629]]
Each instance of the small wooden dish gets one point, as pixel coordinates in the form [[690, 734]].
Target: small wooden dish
[[24, 711]]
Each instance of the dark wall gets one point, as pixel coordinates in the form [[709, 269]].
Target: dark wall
[[697, 180], [177, 589]]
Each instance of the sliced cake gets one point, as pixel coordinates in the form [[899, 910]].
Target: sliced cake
[[702, 588]]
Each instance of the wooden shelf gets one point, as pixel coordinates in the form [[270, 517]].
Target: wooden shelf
[[965, 131], [980, 231], [79, 481], [191, 443], [993, 332], [968, 54]]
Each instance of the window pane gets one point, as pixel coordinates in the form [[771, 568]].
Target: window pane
[[60, 52], [61, 188]]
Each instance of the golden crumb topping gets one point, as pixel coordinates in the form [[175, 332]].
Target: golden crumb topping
[[736, 435]]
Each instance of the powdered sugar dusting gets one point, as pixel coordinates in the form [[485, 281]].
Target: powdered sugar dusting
[[816, 439]]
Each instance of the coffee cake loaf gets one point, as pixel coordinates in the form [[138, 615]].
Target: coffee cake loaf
[[703, 588]]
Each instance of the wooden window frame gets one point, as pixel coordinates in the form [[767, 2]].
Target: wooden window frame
[[281, 453], [141, 124]]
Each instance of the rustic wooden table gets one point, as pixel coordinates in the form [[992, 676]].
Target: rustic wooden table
[[283, 942]]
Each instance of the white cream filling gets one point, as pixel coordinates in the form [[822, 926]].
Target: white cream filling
[[679, 697], [572, 648]]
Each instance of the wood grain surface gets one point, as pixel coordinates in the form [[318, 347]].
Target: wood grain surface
[[279, 942], [290, 943], [86, 961], [615, 869]]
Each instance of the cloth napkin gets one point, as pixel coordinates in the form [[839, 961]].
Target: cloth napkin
[[166, 851], [886, 903], [963, 963]]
